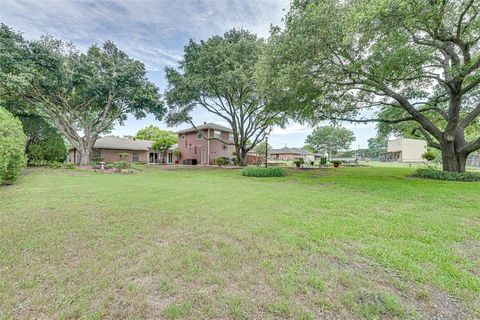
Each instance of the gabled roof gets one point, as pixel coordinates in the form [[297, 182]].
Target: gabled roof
[[213, 126], [286, 150], [122, 144]]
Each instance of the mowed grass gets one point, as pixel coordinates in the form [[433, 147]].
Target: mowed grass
[[199, 243]]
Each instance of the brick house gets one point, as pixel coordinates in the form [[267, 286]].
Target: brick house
[[195, 149], [110, 148]]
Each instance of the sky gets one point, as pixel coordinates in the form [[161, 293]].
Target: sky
[[155, 33]]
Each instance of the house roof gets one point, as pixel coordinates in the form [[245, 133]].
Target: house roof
[[213, 126], [122, 144], [290, 151]]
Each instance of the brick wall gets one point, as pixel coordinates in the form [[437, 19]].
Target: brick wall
[[191, 146]]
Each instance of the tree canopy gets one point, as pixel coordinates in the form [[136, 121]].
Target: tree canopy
[[218, 75], [330, 139], [152, 132], [409, 61], [83, 94]]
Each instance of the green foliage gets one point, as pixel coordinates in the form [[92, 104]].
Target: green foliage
[[376, 146], [164, 140], [337, 59], [121, 165], [55, 164], [177, 153], [330, 139], [44, 142], [218, 75], [12, 147], [97, 159], [96, 89], [263, 172], [69, 165], [429, 156], [336, 163], [430, 173], [153, 133], [220, 161], [108, 166]]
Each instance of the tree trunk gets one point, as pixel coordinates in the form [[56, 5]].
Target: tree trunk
[[84, 152], [241, 154], [451, 159]]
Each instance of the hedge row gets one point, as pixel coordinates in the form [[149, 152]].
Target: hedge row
[[264, 172], [429, 173], [12, 147]]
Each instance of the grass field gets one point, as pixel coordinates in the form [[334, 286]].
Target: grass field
[[198, 243]]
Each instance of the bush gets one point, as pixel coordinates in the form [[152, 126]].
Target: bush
[[97, 159], [12, 147], [430, 173], [220, 161], [55, 164], [108, 166], [69, 165], [263, 172], [121, 165], [429, 156], [336, 163]]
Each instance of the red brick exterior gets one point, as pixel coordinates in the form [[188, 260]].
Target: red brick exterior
[[191, 146], [111, 155]]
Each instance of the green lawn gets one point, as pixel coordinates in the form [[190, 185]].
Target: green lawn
[[350, 243]]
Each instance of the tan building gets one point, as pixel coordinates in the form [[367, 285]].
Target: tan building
[[405, 150], [109, 149]]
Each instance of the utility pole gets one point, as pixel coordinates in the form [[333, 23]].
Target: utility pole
[[266, 151]]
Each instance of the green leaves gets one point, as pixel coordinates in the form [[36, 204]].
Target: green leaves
[[330, 139]]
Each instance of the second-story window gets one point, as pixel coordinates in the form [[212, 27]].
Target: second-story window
[[199, 135], [230, 137], [183, 136], [216, 134], [186, 144], [195, 149]]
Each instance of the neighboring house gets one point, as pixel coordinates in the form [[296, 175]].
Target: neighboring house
[[110, 148], [198, 146], [405, 150], [291, 154]]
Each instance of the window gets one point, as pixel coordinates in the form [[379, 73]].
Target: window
[[195, 149], [230, 137], [216, 134], [135, 156], [97, 153], [186, 143], [183, 136], [199, 135]]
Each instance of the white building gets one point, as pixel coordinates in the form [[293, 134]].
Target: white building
[[405, 150]]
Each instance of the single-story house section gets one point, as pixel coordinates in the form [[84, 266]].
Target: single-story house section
[[199, 146], [110, 148], [405, 150], [291, 154]]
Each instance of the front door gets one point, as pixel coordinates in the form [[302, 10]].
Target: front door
[[170, 158], [203, 156]]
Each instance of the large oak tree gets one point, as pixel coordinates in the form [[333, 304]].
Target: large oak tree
[[83, 94], [415, 61], [218, 76]]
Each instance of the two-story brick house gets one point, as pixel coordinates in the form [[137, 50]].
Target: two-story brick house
[[197, 147]]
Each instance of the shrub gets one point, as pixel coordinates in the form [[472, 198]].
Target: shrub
[[220, 161], [97, 159], [430, 173], [55, 164], [297, 163], [120, 165], [263, 172], [123, 155], [12, 147], [336, 163], [69, 165], [429, 156], [108, 166]]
